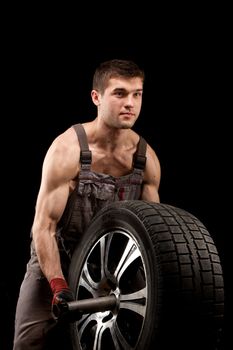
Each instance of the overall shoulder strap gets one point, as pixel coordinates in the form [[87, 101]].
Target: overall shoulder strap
[[139, 160], [85, 153]]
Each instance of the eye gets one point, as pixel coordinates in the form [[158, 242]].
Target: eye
[[138, 94], [119, 93]]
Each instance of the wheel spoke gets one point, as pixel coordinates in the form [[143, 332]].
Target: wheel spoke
[[137, 308], [130, 254], [86, 281], [140, 294], [105, 243], [98, 337], [88, 319]]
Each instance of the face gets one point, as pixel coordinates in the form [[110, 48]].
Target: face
[[120, 104]]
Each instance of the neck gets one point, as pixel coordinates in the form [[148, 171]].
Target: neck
[[109, 137]]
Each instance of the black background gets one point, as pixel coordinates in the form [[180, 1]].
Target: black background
[[48, 66]]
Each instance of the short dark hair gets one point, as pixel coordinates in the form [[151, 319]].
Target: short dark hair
[[113, 69]]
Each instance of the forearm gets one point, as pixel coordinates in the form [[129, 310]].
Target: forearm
[[47, 252]]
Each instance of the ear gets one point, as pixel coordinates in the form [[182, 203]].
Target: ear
[[95, 95]]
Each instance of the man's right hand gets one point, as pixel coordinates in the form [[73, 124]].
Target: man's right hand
[[62, 294]]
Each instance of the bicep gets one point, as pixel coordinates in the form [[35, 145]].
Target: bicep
[[152, 175], [57, 174], [51, 203], [150, 193]]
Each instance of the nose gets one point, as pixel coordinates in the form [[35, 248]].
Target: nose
[[129, 101]]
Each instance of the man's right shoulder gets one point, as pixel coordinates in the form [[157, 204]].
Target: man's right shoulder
[[66, 141]]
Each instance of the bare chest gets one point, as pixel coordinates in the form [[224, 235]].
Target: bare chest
[[119, 164]]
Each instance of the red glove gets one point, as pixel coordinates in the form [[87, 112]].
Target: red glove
[[61, 295]]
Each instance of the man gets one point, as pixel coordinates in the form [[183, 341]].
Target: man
[[85, 168]]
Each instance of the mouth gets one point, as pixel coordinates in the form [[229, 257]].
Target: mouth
[[127, 114]]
